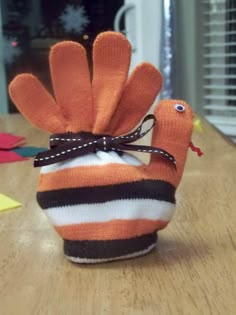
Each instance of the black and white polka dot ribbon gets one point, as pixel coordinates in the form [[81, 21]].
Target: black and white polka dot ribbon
[[70, 145]]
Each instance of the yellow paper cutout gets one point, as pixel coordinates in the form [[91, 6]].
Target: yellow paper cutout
[[197, 125], [7, 203]]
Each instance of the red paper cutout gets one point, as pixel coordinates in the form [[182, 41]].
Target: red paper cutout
[[8, 141], [10, 156]]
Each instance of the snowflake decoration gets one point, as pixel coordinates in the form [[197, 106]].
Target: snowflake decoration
[[10, 50], [74, 19]]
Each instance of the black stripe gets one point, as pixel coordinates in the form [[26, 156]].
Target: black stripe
[[110, 248], [147, 189]]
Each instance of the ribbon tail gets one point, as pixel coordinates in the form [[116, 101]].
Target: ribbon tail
[[137, 133], [148, 149], [61, 153]]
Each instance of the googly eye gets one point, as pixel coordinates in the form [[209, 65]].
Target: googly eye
[[180, 108]]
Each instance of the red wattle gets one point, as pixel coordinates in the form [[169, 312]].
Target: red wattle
[[195, 149]]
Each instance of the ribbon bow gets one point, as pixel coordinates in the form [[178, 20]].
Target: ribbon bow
[[70, 145]]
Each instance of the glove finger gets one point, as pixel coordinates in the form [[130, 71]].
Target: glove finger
[[72, 86], [139, 94], [36, 104], [111, 60], [172, 133]]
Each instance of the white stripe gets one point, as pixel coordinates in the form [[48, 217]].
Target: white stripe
[[100, 260], [92, 159], [112, 210]]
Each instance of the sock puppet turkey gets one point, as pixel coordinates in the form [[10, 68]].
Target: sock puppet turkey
[[104, 202]]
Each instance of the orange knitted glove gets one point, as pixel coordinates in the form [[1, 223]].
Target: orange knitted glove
[[105, 203]]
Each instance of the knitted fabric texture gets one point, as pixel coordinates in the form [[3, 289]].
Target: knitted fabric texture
[[105, 205]]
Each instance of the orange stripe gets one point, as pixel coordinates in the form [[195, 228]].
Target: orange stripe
[[115, 229], [88, 176]]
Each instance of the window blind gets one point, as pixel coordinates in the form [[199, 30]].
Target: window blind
[[219, 66]]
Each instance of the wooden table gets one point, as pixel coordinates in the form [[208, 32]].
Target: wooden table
[[192, 271]]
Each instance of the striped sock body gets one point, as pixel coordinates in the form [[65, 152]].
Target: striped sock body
[[107, 221]]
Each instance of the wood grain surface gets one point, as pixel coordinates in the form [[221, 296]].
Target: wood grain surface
[[192, 270]]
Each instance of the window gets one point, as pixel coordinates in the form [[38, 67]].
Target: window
[[219, 66], [31, 27]]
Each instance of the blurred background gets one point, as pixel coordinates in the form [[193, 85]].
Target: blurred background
[[192, 42]]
